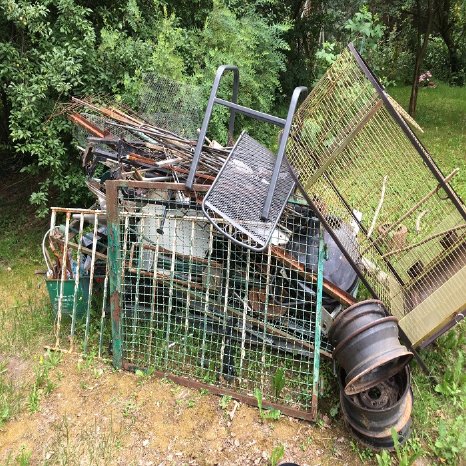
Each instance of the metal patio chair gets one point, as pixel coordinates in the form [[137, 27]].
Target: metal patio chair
[[249, 194]]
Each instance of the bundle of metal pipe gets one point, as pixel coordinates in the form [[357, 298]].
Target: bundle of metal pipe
[[134, 149]]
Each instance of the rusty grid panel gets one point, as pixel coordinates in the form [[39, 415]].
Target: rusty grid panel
[[189, 303], [352, 151]]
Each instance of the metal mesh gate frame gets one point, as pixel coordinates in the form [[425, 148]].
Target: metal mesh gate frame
[[205, 312], [79, 299], [349, 145]]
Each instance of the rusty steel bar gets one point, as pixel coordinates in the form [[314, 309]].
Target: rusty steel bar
[[62, 280], [76, 282], [87, 125], [91, 284], [220, 391]]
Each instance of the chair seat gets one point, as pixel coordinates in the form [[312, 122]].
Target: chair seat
[[235, 200]]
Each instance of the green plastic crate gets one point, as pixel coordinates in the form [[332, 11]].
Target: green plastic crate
[[82, 298]]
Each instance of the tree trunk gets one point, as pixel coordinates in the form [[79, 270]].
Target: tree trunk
[[421, 50], [446, 26], [4, 118]]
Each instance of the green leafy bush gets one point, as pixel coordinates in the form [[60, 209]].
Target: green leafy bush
[[436, 60], [52, 49]]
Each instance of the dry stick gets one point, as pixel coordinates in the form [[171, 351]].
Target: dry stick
[[425, 240], [412, 209], [418, 220], [379, 206]]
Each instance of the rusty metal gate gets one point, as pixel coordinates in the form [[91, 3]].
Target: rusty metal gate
[[189, 304]]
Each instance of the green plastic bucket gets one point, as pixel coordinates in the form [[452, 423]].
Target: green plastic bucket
[[82, 298]]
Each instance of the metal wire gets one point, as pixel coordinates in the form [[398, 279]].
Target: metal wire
[[171, 105], [192, 303], [345, 141]]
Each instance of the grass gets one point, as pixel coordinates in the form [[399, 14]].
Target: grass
[[25, 318], [441, 113]]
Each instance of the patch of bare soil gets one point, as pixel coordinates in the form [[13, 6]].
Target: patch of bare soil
[[100, 416]]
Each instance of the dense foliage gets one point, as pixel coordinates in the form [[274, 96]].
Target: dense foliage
[[52, 49]]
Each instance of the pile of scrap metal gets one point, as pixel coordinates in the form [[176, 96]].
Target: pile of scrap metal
[[133, 148], [339, 154]]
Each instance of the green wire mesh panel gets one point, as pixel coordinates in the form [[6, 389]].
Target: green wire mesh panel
[[188, 302], [352, 151]]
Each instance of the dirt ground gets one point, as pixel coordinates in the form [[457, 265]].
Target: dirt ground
[[97, 415]]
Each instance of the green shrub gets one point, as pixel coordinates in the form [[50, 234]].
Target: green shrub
[[52, 49]]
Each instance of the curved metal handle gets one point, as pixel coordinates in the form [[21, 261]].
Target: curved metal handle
[[281, 150], [231, 125]]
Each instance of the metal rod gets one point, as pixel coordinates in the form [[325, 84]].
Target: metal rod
[[91, 284], [225, 307], [245, 314], [170, 291], [208, 113], [77, 211], [266, 308], [188, 297], [76, 282], [340, 295], [102, 316], [317, 324], [153, 297], [207, 295], [138, 282], [281, 150], [261, 116], [114, 265], [62, 280], [250, 400]]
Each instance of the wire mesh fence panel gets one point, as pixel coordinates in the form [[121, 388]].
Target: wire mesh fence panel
[[189, 302], [77, 280], [354, 154], [171, 105]]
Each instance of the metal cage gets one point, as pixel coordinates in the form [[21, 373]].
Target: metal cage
[[353, 151], [191, 305]]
